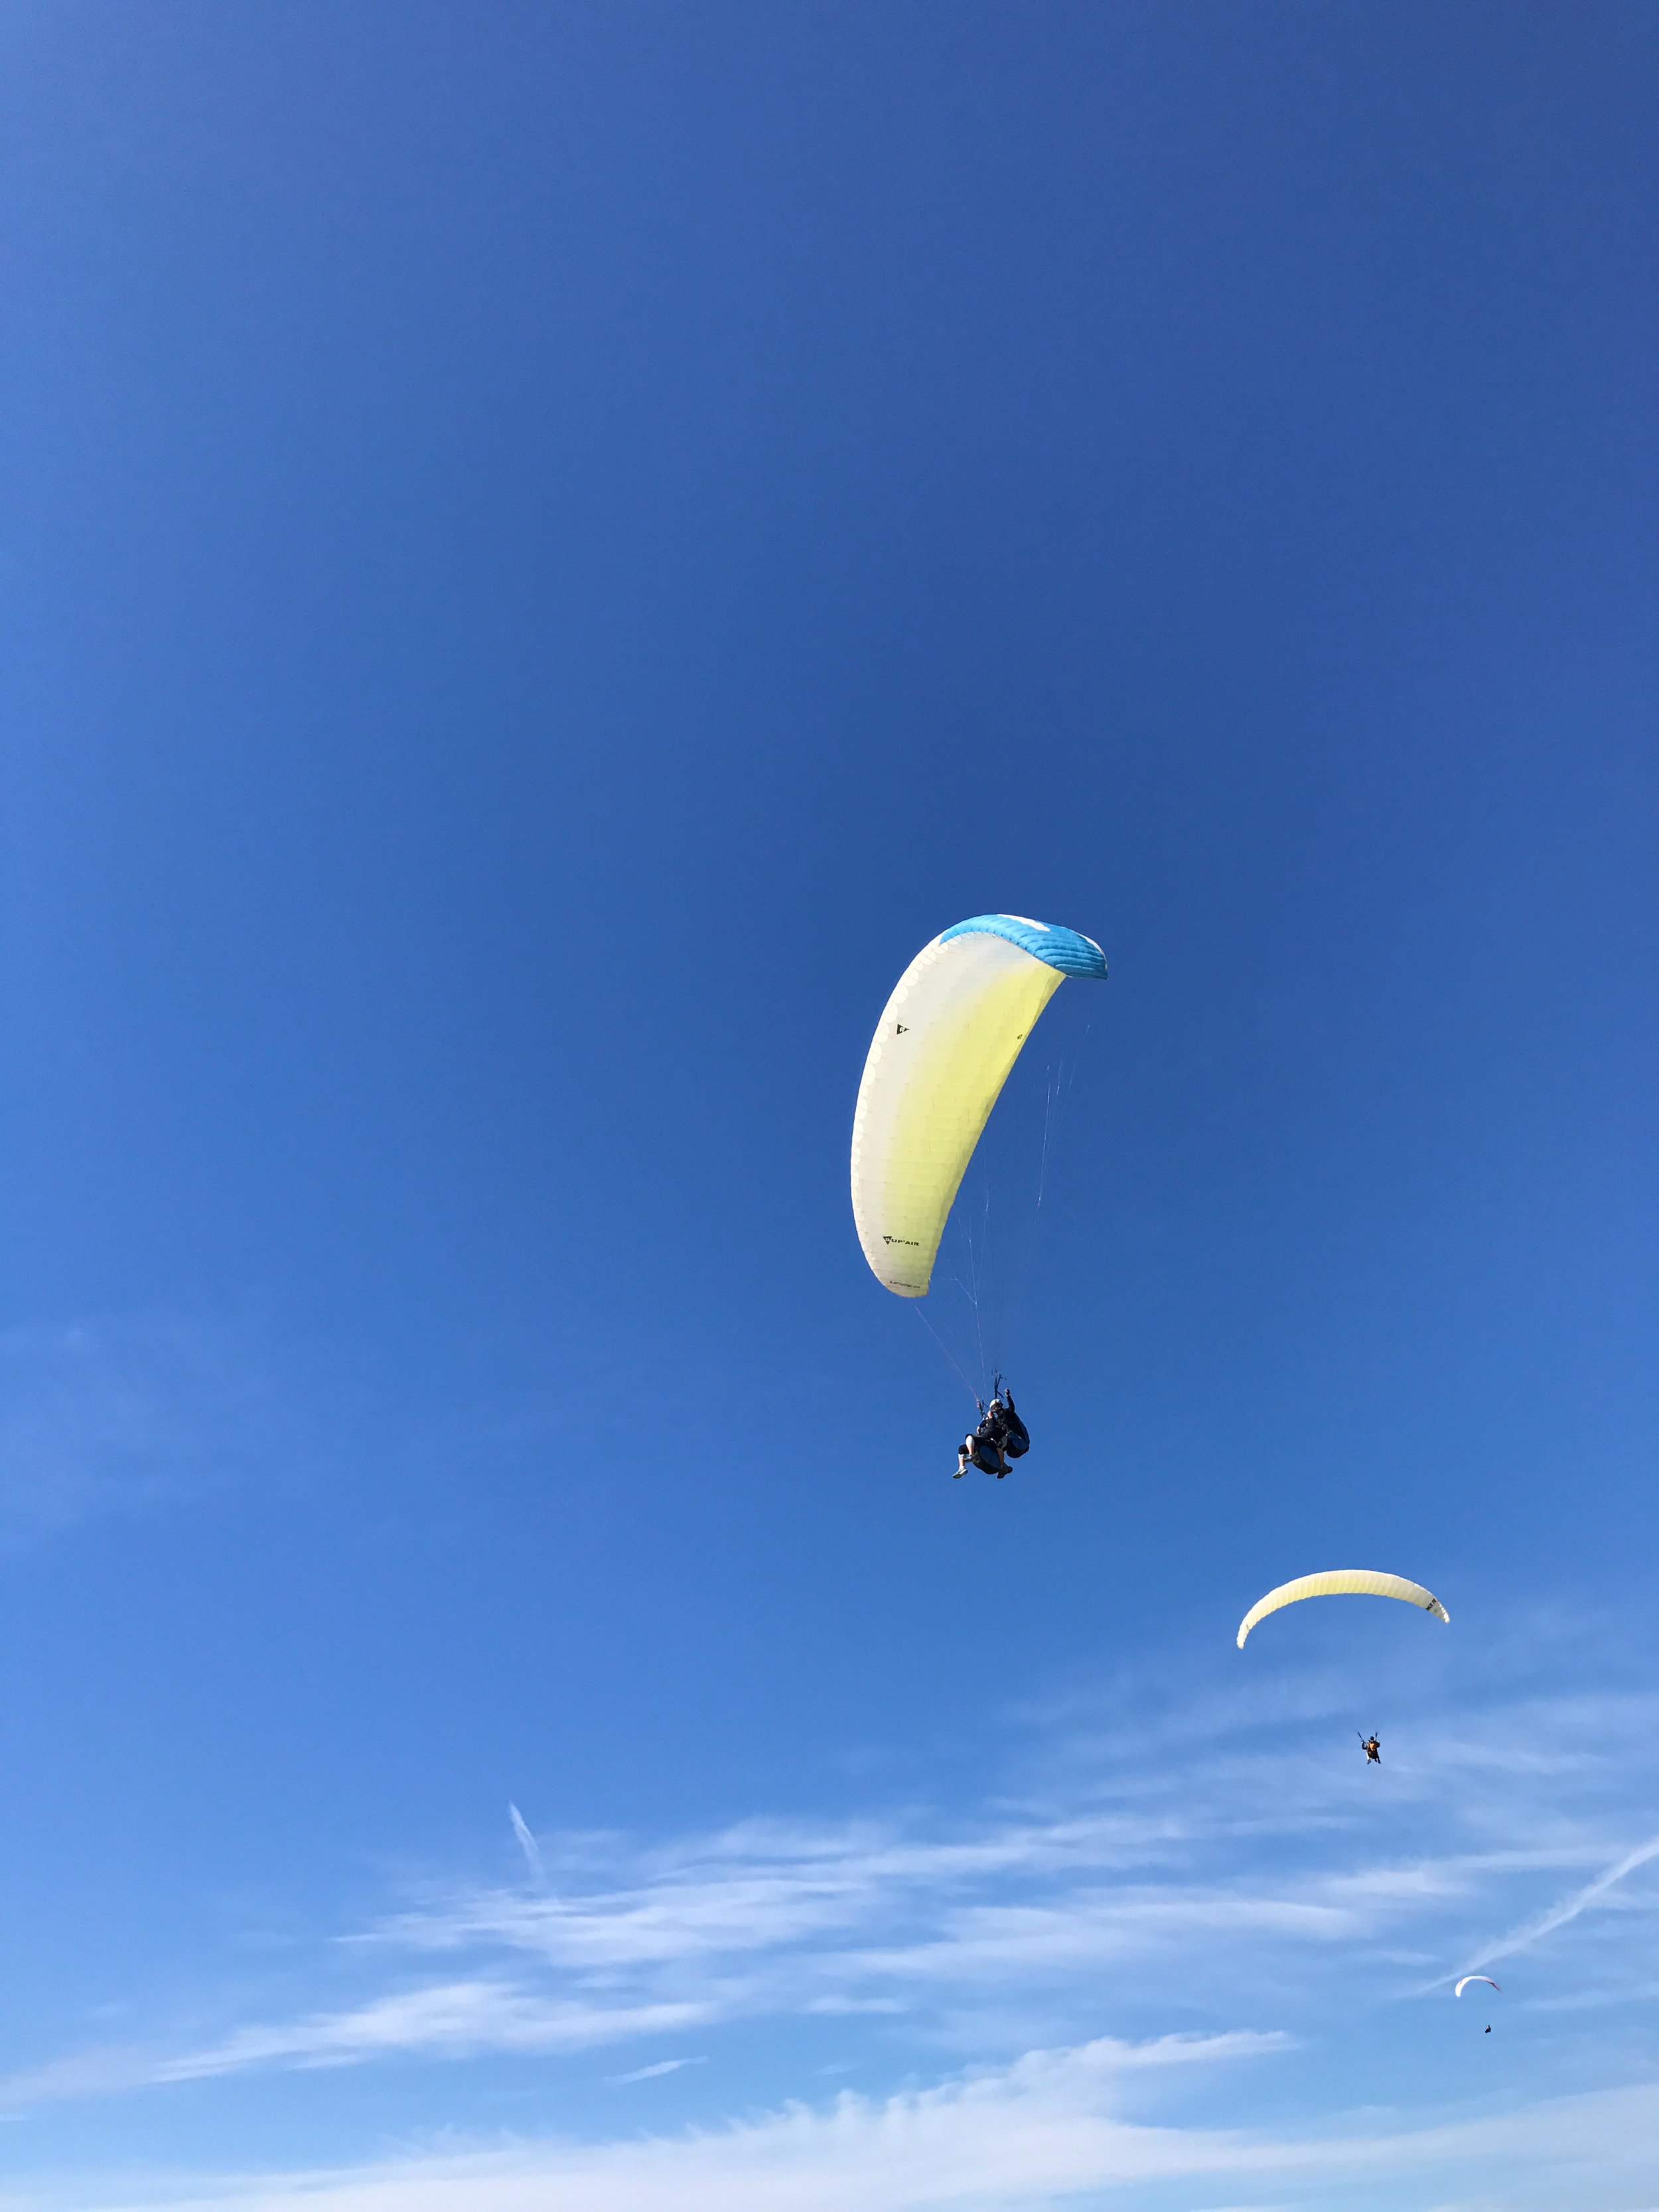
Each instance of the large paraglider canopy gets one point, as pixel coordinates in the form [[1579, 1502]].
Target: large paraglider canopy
[[957, 1022], [1486, 1979], [1341, 1581]]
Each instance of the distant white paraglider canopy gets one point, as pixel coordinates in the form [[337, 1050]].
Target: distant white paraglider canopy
[[1486, 1979], [1341, 1581]]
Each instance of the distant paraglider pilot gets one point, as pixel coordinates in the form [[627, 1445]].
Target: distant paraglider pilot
[[1372, 1746], [1000, 1437]]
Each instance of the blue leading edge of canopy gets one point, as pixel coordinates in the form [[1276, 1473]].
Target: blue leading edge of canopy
[[1063, 949]]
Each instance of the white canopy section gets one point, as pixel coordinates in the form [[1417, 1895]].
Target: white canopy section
[[941, 1054], [1341, 1581], [947, 1038]]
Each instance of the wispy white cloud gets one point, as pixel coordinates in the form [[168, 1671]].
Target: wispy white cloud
[[527, 1843], [664, 2066], [443, 2020], [1046, 2130], [1210, 1888], [1567, 1909]]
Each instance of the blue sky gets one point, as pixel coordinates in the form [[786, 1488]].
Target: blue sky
[[544, 552]]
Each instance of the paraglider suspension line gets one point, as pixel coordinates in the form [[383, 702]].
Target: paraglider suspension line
[[915, 1308], [1059, 1089]]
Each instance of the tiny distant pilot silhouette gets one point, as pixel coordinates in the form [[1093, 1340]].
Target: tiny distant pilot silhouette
[[1372, 1746]]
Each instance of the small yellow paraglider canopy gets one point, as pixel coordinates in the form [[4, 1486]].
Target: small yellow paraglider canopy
[[1341, 1581]]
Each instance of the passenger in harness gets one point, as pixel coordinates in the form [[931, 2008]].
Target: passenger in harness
[[1000, 1437]]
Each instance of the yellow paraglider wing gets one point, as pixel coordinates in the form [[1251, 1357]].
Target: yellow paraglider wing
[[1341, 1581], [954, 1026]]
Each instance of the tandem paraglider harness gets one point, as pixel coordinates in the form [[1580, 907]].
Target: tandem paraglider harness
[[1000, 1437]]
